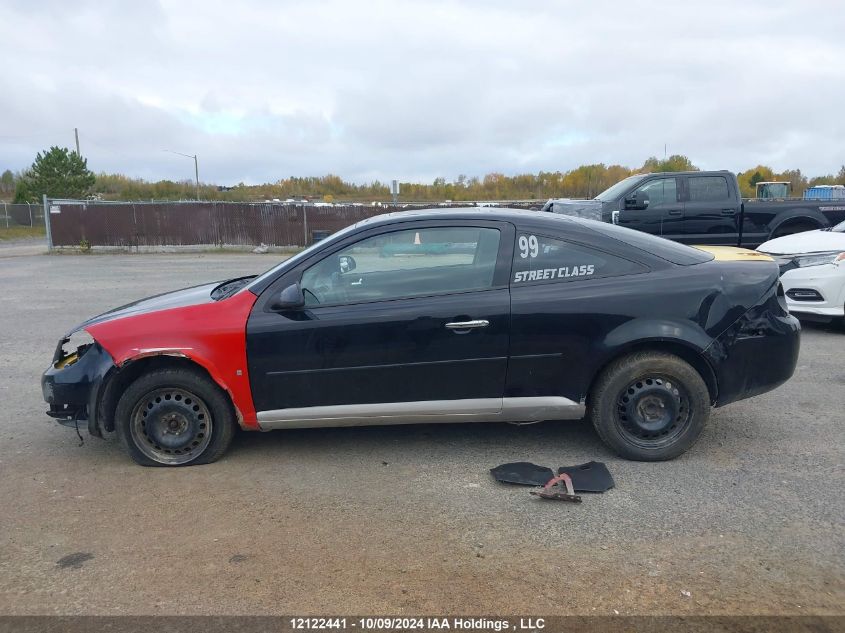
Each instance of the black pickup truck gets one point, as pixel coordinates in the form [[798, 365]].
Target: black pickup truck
[[701, 207]]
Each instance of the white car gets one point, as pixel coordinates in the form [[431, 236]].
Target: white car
[[812, 266]]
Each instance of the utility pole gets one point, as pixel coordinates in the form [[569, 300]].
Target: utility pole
[[76, 134], [197, 175], [196, 167]]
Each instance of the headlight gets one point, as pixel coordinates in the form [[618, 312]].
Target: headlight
[[817, 259], [72, 348]]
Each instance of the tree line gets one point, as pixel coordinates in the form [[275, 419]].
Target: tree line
[[60, 173]]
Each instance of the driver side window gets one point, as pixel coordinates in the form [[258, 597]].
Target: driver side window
[[409, 263], [660, 191]]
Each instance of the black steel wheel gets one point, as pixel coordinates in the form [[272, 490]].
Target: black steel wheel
[[171, 426], [652, 411], [174, 417], [649, 406]]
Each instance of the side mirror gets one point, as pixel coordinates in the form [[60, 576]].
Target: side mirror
[[291, 298], [346, 263], [639, 201]]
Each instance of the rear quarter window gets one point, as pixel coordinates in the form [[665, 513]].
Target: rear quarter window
[[542, 259], [658, 246]]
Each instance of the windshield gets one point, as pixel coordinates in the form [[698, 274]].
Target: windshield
[[614, 191]]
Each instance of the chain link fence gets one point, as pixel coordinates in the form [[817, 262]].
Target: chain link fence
[[25, 214]]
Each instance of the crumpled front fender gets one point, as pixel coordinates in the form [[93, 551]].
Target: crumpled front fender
[[212, 335]]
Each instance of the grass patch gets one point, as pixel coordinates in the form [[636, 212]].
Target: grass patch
[[21, 232]]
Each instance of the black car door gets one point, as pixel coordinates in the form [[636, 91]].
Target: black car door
[[566, 298], [407, 313], [711, 213], [663, 212]]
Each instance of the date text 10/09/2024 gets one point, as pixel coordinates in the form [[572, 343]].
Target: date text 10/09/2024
[[417, 623]]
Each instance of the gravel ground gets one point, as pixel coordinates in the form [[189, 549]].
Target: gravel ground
[[404, 519], [22, 247]]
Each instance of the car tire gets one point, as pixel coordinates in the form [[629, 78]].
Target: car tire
[[174, 417], [649, 406]]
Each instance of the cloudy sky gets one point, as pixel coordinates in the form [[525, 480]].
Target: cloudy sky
[[265, 89]]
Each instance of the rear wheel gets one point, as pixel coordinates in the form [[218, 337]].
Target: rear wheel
[[649, 406], [174, 417]]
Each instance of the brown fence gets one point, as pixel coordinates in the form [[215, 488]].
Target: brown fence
[[191, 223]]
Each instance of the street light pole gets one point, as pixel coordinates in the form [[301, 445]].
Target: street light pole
[[197, 175], [196, 167]]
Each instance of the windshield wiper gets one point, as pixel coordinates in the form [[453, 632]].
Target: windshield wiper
[[228, 288]]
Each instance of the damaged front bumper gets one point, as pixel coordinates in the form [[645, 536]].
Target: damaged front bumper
[[71, 385]]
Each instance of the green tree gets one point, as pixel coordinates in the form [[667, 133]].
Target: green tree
[[584, 181], [22, 191], [59, 173], [797, 181], [749, 178], [829, 179], [676, 162], [7, 183], [757, 177]]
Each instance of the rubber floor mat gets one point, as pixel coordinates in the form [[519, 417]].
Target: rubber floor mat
[[522, 473], [589, 477]]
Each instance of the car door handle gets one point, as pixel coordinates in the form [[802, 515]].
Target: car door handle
[[728, 211], [675, 212], [467, 325]]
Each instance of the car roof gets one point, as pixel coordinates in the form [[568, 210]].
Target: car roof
[[579, 229], [507, 214]]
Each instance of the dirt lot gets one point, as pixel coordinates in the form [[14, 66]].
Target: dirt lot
[[404, 519]]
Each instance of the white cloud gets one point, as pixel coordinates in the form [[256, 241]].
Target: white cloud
[[398, 88]]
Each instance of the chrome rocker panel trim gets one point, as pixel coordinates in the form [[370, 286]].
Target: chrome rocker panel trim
[[532, 409]]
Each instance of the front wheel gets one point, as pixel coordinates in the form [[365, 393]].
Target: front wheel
[[174, 417], [649, 406]]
